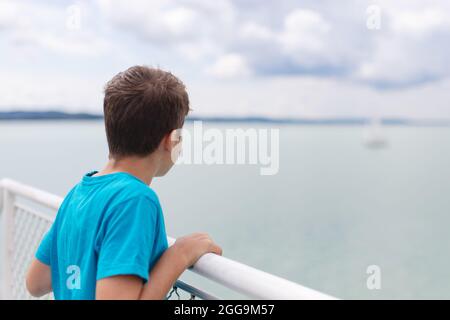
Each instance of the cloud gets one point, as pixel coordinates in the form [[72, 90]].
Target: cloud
[[25, 90], [169, 22], [281, 38], [74, 44], [304, 37], [229, 66], [420, 23], [255, 32], [48, 28], [317, 38], [410, 49], [286, 57], [8, 10], [294, 96], [312, 97]]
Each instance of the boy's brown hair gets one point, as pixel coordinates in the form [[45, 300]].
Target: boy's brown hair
[[141, 106]]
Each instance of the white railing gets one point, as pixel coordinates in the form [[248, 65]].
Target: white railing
[[23, 227]]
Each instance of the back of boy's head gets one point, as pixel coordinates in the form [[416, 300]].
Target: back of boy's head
[[141, 106]]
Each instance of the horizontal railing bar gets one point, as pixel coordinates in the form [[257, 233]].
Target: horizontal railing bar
[[44, 198], [36, 213], [234, 275]]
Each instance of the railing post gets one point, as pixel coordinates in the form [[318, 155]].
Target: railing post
[[7, 243]]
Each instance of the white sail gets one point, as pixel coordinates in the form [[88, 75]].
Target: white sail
[[374, 136]]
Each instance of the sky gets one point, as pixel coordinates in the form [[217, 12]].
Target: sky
[[274, 58]]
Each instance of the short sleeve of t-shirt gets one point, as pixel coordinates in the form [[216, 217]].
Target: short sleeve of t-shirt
[[128, 238], [43, 252]]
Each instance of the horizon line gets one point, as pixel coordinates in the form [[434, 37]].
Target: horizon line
[[344, 120]]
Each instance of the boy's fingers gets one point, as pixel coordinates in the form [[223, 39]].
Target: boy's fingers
[[216, 249], [201, 235]]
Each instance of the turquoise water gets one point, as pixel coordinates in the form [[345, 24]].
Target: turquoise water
[[334, 208]]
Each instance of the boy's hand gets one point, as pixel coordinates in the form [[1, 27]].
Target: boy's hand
[[193, 246], [174, 261]]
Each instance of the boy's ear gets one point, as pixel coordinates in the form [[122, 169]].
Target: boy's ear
[[172, 139]]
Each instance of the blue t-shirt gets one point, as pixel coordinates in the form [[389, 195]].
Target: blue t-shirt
[[106, 226]]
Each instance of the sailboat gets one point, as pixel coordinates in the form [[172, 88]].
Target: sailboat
[[374, 137]]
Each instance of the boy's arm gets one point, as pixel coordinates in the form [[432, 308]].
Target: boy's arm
[[164, 274], [39, 276], [174, 261], [162, 277], [39, 279]]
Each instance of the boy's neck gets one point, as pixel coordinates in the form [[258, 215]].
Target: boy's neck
[[144, 169]]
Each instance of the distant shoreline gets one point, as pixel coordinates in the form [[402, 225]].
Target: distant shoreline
[[58, 116], [47, 115]]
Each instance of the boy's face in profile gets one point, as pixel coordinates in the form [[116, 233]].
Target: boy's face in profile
[[172, 150]]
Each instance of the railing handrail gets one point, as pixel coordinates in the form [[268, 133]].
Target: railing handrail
[[234, 275]]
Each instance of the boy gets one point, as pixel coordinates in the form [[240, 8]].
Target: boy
[[108, 240]]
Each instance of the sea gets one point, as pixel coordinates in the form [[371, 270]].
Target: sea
[[334, 211]]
